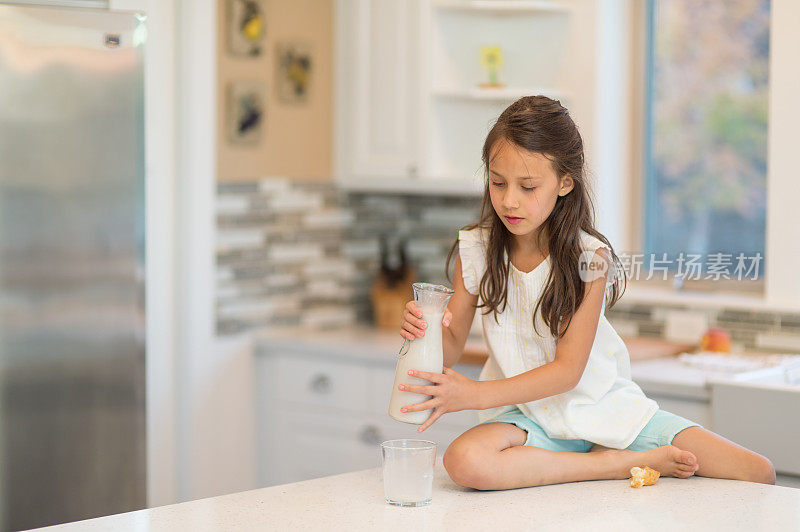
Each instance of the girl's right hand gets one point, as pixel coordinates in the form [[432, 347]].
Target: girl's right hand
[[414, 325]]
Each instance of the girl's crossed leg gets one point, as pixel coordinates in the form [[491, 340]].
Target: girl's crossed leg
[[493, 456], [718, 457], [722, 458]]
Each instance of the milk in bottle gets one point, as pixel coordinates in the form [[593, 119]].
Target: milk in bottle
[[423, 354]]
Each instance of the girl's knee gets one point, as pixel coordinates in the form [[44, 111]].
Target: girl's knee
[[762, 470], [755, 468], [468, 465]]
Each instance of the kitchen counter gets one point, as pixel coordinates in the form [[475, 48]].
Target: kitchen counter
[[654, 363], [672, 377], [368, 343], [354, 501]]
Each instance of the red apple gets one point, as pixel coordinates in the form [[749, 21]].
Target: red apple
[[716, 340]]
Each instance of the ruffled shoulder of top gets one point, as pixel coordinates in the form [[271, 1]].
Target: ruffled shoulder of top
[[589, 245], [472, 246]]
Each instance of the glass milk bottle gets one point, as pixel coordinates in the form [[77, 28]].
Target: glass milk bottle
[[423, 354]]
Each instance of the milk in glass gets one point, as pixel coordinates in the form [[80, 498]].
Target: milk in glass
[[408, 471]]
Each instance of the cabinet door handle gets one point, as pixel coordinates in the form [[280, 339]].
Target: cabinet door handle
[[371, 435], [321, 384], [411, 169]]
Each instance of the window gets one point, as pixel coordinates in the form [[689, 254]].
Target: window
[[705, 145]]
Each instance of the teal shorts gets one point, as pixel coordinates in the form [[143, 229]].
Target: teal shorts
[[660, 430]]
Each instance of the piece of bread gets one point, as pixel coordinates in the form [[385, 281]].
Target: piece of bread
[[643, 476]]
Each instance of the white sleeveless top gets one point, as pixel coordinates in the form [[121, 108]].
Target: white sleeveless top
[[606, 407]]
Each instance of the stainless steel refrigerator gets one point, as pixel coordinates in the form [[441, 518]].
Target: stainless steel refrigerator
[[72, 314]]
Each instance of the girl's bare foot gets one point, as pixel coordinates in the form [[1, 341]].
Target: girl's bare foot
[[672, 462], [667, 460]]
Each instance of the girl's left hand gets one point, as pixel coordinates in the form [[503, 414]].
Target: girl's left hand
[[451, 392]]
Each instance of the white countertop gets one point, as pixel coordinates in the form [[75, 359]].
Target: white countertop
[[354, 501], [665, 375], [366, 344], [670, 376]]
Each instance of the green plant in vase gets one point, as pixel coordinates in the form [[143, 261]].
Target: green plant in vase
[[492, 60]]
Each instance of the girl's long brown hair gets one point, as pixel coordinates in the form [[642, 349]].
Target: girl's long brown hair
[[540, 124]]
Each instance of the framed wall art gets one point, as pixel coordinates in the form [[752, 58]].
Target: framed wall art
[[246, 111], [294, 69], [245, 27]]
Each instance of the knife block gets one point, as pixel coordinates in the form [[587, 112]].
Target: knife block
[[389, 299]]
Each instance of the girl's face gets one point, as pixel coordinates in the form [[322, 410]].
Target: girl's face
[[523, 187]]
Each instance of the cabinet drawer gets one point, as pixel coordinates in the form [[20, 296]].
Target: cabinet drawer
[[320, 383], [381, 383], [313, 445], [442, 434], [316, 445], [380, 389]]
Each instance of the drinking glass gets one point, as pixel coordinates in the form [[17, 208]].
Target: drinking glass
[[408, 471]]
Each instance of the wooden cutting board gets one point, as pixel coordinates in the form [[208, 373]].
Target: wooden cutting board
[[639, 347]]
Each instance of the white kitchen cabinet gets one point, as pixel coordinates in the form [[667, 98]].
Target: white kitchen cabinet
[[320, 383], [411, 115], [383, 380], [537, 45], [760, 416], [322, 400], [317, 444], [377, 57], [676, 387], [321, 415]]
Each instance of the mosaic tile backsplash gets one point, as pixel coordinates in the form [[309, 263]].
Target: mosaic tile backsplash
[[291, 252], [306, 253]]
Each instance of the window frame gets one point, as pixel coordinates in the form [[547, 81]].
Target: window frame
[[780, 286]]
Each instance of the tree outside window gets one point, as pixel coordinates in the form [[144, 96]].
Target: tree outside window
[[706, 130]]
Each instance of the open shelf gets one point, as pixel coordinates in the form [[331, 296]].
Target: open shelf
[[503, 7], [460, 186], [534, 52], [415, 107], [508, 94], [458, 111]]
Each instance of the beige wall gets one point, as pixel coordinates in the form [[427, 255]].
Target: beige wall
[[296, 139]]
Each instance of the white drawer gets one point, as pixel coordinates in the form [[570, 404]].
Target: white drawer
[[381, 383], [313, 444], [320, 383], [316, 444], [442, 434], [380, 389]]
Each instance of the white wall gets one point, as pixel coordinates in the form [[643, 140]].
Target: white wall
[[200, 406], [216, 435], [783, 223], [160, 142], [612, 134], [296, 139]]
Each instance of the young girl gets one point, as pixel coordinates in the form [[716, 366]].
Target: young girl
[[555, 399]]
